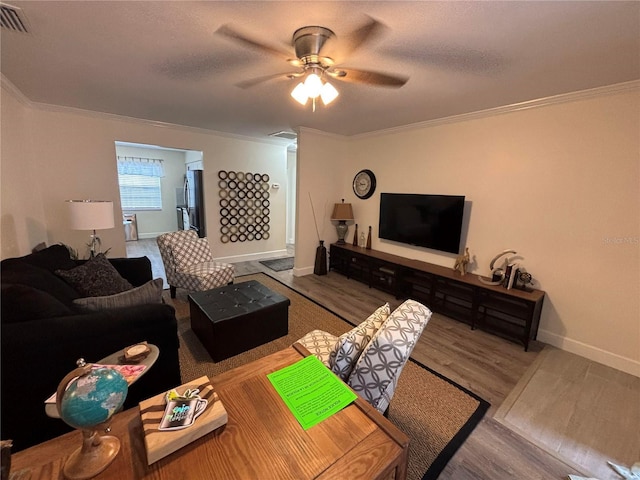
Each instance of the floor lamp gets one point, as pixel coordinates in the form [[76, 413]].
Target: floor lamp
[[91, 215]]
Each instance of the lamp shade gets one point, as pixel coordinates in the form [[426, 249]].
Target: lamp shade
[[314, 87], [328, 93], [342, 211], [90, 214], [300, 94]]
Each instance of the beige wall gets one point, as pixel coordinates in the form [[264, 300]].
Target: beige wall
[[23, 222], [255, 157], [73, 153], [321, 181], [559, 184]]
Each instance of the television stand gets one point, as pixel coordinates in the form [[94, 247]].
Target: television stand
[[513, 314]]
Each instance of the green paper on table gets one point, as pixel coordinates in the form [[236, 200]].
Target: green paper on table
[[311, 391]]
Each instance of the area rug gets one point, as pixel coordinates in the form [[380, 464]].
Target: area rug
[[433, 411], [278, 264]]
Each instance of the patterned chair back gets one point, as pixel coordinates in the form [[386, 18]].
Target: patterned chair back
[[165, 245], [376, 372]]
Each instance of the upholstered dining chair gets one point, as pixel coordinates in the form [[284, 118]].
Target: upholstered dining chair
[[188, 263], [371, 356]]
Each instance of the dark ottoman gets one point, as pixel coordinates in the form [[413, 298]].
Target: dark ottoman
[[235, 318]]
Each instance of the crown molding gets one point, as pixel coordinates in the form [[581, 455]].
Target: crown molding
[[314, 131], [151, 123], [516, 107], [15, 91], [48, 107]]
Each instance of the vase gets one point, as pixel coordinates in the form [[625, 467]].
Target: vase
[[368, 247], [320, 267], [355, 237]]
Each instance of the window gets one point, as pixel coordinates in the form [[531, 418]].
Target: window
[[140, 192], [140, 187]]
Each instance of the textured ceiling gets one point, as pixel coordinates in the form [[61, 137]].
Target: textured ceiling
[[164, 61]]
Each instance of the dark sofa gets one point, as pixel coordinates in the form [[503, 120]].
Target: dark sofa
[[44, 333]]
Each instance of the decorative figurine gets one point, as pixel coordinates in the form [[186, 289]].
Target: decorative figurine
[[497, 273], [462, 262]]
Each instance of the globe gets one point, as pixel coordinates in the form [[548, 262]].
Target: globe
[[93, 398]]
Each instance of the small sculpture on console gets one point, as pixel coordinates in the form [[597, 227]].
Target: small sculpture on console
[[462, 262]]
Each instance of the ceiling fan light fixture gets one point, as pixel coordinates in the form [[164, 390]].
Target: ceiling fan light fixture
[[299, 94], [328, 93], [313, 85]]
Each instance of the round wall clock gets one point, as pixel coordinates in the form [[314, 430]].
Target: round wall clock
[[364, 184]]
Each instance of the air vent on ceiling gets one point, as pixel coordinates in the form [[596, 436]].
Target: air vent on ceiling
[[12, 18], [283, 134]]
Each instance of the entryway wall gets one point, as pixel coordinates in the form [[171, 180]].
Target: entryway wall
[[292, 153], [151, 223], [79, 148]]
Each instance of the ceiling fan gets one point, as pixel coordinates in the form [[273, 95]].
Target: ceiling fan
[[314, 66]]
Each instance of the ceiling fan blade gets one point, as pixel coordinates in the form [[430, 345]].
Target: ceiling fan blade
[[232, 34], [353, 41], [252, 82], [370, 78]]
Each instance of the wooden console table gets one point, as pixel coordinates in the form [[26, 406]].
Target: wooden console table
[[514, 313], [262, 439]]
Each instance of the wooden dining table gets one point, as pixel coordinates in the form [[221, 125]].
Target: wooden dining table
[[261, 440]]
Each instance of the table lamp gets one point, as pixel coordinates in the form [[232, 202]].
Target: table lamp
[[91, 215], [342, 212]]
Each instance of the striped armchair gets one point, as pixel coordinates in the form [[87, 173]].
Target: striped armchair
[[188, 263]]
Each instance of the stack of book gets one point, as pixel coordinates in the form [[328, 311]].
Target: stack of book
[[511, 276]]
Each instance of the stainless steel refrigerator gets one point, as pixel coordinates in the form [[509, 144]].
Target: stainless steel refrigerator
[[194, 201]]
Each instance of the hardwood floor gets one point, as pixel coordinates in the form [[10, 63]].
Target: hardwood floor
[[148, 248], [485, 364], [578, 409]]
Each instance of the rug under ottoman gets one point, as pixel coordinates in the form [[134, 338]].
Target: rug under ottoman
[[235, 318]]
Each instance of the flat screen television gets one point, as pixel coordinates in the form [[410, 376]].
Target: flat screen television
[[431, 221]]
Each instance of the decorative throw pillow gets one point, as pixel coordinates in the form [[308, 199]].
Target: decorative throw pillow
[[187, 254], [22, 303], [55, 257], [15, 271], [319, 343], [376, 372], [350, 345], [95, 278], [150, 292]]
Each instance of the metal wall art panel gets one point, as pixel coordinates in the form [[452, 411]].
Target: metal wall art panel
[[244, 206]]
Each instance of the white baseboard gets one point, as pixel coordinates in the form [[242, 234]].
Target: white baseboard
[[147, 236], [301, 272], [613, 360], [253, 256]]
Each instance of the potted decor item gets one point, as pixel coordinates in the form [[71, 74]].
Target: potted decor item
[[320, 266]]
